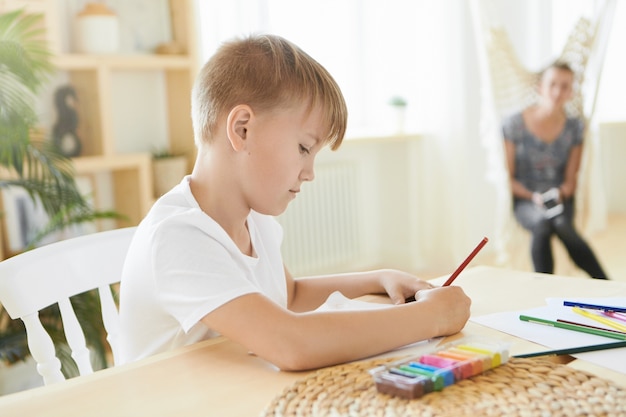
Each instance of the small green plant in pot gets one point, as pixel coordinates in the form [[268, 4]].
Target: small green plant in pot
[[399, 105]]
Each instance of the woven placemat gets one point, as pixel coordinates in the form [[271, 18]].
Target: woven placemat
[[522, 387]]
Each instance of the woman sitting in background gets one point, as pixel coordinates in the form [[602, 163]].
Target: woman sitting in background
[[543, 151]]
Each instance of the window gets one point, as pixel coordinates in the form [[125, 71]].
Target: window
[[375, 50]]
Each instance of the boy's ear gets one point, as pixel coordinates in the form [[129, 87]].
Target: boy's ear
[[237, 125]]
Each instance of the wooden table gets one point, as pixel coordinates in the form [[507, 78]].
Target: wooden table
[[219, 377]]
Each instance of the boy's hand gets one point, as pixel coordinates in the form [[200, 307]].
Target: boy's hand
[[402, 286], [449, 308]]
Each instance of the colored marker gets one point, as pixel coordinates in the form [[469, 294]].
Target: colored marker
[[466, 262], [574, 350], [600, 319], [589, 326], [573, 327], [594, 306], [612, 314]]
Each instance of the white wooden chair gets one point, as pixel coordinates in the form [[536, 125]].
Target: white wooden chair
[[52, 274]]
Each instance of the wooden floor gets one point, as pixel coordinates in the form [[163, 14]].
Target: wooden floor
[[609, 246]]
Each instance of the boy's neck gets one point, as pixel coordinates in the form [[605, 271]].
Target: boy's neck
[[215, 198]]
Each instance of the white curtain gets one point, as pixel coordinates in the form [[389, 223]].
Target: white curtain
[[456, 207]]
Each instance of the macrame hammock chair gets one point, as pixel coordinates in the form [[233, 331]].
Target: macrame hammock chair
[[508, 87]]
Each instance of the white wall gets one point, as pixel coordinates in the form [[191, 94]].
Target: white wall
[[387, 202], [613, 152], [612, 93]]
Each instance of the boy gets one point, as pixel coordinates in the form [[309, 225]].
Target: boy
[[206, 259]]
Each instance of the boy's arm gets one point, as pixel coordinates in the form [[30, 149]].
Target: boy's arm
[[298, 341], [308, 293]]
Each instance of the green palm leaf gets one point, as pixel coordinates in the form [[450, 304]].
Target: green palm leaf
[[38, 167]]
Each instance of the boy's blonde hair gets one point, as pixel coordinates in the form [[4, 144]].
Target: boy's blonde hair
[[264, 72]]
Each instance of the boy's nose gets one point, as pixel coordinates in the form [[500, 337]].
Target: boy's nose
[[307, 174]]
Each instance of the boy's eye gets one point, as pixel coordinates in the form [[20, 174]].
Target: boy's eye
[[304, 150]]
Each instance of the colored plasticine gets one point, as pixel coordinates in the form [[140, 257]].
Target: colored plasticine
[[415, 377], [446, 375], [465, 368], [437, 361], [403, 372], [497, 357], [487, 359], [438, 382], [473, 365], [460, 371], [401, 386]]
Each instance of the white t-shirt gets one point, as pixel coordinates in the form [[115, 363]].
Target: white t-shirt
[[181, 265]]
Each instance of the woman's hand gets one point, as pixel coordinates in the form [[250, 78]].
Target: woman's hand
[[537, 199], [401, 285]]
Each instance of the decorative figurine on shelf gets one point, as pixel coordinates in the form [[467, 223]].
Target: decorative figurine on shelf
[[64, 130]]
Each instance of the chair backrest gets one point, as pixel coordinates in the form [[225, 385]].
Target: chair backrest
[[52, 274]]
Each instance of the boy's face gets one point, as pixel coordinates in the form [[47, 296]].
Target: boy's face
[[280, 152]]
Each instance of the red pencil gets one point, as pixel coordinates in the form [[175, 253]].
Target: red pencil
[[465, 262]]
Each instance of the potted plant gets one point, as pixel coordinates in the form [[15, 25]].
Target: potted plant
[[168, 169], [37, 166], [399, 104]]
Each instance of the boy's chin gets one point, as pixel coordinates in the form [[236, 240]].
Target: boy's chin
[[277, 211]]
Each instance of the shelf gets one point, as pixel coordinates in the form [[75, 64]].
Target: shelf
[[31, 6], [122, 182], [121, 62], [93, 164], [131, 176]]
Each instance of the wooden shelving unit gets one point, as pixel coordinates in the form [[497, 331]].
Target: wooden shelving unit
[[91, 75]]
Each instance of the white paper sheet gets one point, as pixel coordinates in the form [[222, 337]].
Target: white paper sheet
[[556, 338]]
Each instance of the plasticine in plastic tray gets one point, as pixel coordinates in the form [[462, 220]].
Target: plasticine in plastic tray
[[413, 377]]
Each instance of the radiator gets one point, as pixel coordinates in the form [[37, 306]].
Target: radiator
[[322, 232]]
